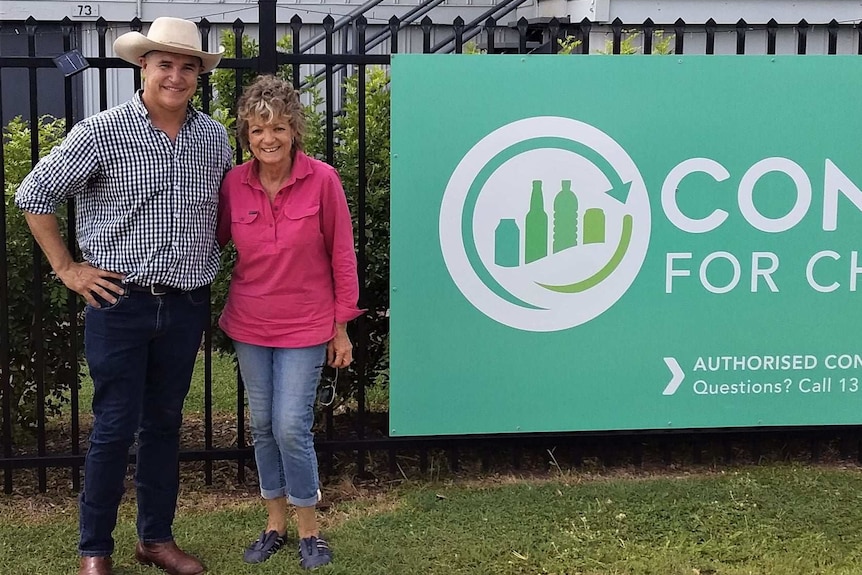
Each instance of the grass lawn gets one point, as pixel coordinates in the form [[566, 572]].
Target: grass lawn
[[767, 520]]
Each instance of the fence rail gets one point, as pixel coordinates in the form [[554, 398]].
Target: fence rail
[[314, 55]]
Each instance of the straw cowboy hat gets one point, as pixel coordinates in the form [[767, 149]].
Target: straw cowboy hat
[[166, 34]]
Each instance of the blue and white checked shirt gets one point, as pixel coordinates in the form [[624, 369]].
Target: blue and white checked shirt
[[145, 206]]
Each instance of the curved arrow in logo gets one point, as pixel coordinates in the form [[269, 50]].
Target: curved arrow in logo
[[607, 269]]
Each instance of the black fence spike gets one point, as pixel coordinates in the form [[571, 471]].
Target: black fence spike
[[802, 36], [832, 31], [679, 36], [523, 25], [584, 34], [617, 31], [741, 28], [490, 31], [648, 31], [710, 27]]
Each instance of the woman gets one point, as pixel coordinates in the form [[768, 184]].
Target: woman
[[294, 288]]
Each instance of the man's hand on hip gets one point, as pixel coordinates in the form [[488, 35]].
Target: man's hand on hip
[[90, 281]]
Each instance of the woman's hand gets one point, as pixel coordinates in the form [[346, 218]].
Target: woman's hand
[[339, 350]]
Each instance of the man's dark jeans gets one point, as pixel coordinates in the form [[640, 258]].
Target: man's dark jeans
[[141, 353]]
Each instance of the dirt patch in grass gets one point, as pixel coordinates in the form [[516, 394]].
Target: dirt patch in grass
[[207, 486]]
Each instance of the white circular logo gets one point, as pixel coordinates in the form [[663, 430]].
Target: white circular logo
[[545, 224]]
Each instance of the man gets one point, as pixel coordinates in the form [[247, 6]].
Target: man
[[145, 176]]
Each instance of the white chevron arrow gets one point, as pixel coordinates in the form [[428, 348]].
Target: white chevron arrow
[[677, 376]]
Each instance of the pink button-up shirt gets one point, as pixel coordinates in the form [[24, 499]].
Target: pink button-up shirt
[[295, 274]]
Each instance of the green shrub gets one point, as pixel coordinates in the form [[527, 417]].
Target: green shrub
[[61, 370], [662, 45], [377, 113], [224, 79]]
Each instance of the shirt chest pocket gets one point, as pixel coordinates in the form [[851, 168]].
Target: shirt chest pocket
[[248, 229], [300, 225]]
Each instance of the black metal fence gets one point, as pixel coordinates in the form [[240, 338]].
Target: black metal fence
[[329, 51]]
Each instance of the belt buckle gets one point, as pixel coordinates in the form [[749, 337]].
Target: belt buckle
[[158, 290]]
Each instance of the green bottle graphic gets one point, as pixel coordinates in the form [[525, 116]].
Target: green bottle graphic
[[507, 244], [565, 218], [536, 227], [594, 226]]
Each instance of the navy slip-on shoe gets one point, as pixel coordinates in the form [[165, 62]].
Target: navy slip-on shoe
[[314, 552], [262, 549]]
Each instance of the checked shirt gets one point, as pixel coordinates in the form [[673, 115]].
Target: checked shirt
[[145, 206]]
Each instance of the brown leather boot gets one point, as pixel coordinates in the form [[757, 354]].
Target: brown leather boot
[[168, 557], [95, 566]]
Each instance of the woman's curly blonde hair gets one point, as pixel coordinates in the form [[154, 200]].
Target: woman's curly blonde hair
[[269, 98]]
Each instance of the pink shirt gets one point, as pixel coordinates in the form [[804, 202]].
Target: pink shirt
[[295, 274]]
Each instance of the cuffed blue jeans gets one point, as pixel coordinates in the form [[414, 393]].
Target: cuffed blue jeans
[[282, 387], [141, 353]]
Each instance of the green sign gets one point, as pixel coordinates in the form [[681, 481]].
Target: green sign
[[609, 243]]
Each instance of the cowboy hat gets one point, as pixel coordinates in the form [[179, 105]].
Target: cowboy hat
[[166, 34]]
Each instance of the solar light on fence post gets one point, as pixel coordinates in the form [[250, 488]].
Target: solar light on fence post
[[71, 62]]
